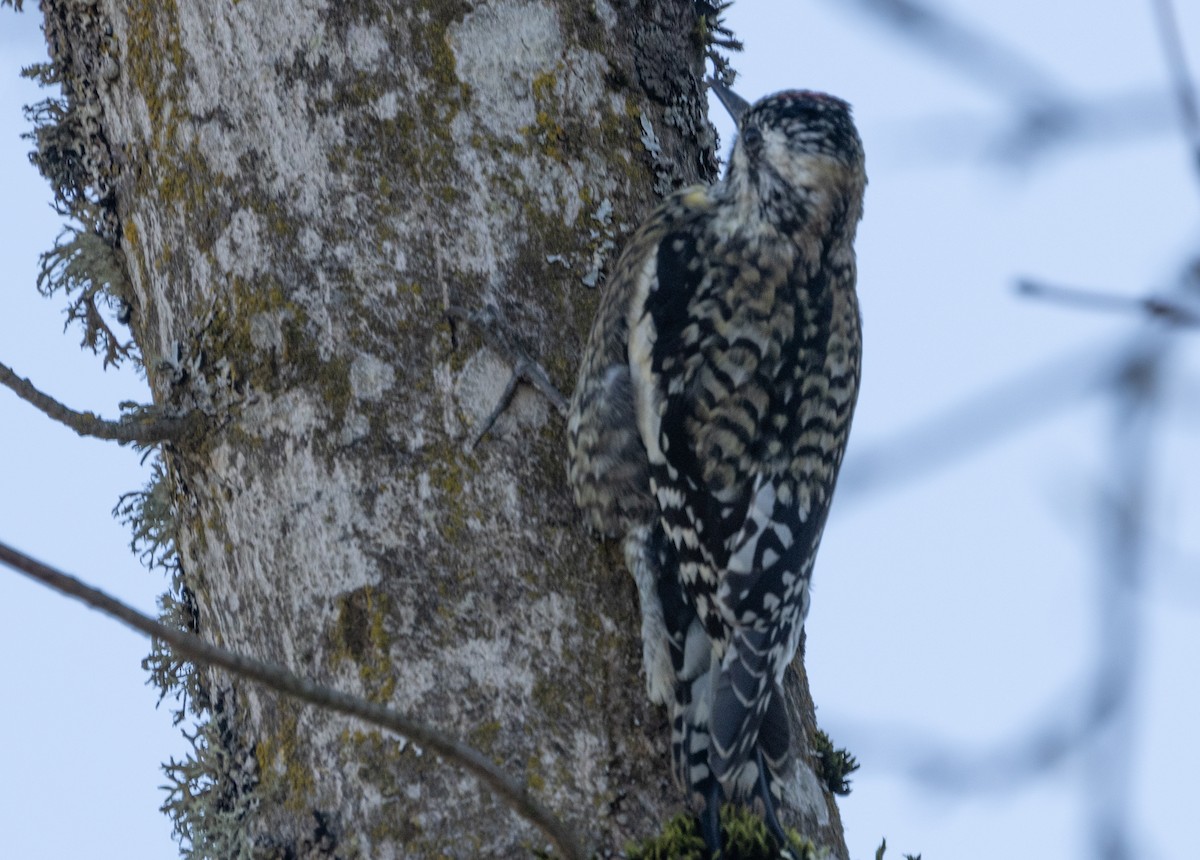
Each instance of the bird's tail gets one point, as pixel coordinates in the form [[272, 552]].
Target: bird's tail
[[690, 743], [692, 675], [725, 714], [748, 720]]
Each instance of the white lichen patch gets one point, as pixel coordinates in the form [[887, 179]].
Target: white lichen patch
[[498, 50], [365, 46], [408, 431], [291, 414], [552, 613], [231, 53], [805, 792], [588, 761], [307, 500], [355, 428], [387, 106], [311, 244], [489, 665], [512, 57], [606, 14], [266, 330], [239, 248], [370, 377], [443, 380]]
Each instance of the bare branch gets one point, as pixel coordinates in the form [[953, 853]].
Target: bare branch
[[143, 427], [1159, 308], [1181, 79], [277, 678]]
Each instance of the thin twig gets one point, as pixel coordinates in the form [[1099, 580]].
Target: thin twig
[[510, 390], [143, 428], [1181, 79], [276, 677], [495, 333], [1160, 308]]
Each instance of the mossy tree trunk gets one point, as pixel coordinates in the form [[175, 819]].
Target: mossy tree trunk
[[298, 191]]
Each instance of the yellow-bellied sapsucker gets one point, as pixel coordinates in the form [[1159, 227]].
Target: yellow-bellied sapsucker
[[708, 424]]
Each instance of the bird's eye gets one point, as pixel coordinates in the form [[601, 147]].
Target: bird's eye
[[752, 137]]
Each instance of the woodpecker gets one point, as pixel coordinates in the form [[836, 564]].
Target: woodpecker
[[708, 424]]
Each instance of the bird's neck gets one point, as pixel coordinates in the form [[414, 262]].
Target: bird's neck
[[806, 218]]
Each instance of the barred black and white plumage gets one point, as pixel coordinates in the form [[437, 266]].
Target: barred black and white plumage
[[709, 421]]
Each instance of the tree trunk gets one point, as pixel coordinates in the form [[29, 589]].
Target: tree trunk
[[299, 192]]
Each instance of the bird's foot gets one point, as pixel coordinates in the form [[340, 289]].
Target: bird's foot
[[765, 801], [709, 820], [495, 331]]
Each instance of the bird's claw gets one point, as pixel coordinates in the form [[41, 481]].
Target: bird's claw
[[709, 820]]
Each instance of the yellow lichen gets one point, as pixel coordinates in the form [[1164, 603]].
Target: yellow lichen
[[360, 635], [280, 767]]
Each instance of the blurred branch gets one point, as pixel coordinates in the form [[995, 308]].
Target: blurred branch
[[1035, 131], [1029, 753], [1121, 539], [1098, 725], [989, 416], [1166, 310], [276, 677], [1044, 114], [979, 420], [143, 426], [1181, 79], [970, 51]]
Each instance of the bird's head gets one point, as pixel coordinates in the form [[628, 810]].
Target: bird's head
[[797, 155]]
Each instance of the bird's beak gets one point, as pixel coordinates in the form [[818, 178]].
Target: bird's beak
[[735, 104]]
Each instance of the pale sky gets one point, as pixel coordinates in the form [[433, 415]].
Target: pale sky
[[954, 609]]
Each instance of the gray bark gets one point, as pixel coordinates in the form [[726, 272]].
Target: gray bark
[[300, 190]]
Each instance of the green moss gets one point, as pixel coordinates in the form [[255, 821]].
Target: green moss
[[484, 735], [227, 335], [745, 838], [154, 63], [547, 132], [442, 68], [417, 146], [535, 777], [548, 696], [391, 768], [282, 770], [331, 376], [834, 765], [360, 635], [185, 180], [448, 468]]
